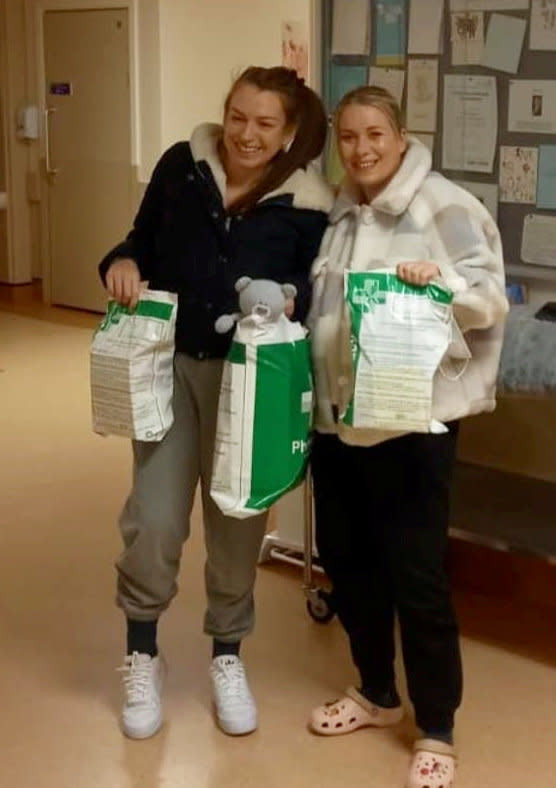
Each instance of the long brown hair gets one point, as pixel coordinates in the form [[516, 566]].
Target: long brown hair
[[303, 109]]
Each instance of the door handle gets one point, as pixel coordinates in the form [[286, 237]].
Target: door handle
[[47, 113]]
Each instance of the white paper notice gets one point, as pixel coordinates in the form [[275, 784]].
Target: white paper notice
[[538, 243], [351, 27], [422, 91], [467, 37], [542, 30], [470, 123], [487, 193], [488, 5], [504, 43], [425, 27], [391, 79], [518, 174], [532, 106]]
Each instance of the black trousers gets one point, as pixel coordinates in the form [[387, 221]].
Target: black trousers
[[381, 516]]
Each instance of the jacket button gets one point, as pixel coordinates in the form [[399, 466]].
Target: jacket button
[[215, 214], [200, 355], [208, 305], [222, 258], [190, 177]]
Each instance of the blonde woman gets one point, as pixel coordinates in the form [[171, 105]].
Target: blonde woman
[[382, 498]]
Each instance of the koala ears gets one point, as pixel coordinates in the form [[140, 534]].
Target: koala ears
[[289, 291], [242, 283]]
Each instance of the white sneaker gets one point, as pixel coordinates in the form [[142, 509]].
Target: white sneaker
[[142, 711], [236, 711]]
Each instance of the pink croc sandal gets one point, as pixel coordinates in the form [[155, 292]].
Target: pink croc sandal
[[350, 713], [433, 765]]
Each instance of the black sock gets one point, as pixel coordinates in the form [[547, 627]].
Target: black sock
[[387, 699], [447, 736], [219, 648], [141, 637]]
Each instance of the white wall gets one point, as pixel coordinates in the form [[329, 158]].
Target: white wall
[[204, 43], [148, 88], [184, 56], [16, 259]]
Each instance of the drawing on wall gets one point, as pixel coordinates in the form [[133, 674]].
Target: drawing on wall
[[295, 48], [542, 31], [518, 174], [465, 27], [467, 37]]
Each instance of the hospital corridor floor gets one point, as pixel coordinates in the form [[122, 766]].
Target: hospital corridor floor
[[62, 637]]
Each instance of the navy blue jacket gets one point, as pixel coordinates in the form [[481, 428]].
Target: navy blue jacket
[[184, 241]]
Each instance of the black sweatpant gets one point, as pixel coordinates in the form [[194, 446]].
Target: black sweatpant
[[381, 516]]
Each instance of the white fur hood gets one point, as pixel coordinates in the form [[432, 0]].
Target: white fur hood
[[420, 215], [307, 188], [398, 194]]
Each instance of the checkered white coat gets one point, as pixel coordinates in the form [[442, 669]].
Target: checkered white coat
[[419, 215]]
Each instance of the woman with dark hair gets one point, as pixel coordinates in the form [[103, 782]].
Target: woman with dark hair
[[241, 199]]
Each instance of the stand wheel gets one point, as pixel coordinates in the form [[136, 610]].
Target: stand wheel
[[320, 607]]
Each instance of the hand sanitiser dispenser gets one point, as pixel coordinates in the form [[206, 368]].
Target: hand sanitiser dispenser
[[27, 125]]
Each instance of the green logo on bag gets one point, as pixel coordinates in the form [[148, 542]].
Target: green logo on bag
[[367, 296], [113, 315], [158, 310]]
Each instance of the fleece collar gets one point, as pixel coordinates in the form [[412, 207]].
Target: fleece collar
[[397, 195], [307, 188]]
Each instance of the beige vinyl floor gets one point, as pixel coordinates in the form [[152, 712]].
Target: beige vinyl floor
[[62, 638]]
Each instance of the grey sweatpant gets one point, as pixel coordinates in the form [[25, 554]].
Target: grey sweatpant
[[155, 519]]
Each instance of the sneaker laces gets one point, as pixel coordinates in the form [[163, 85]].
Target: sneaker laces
[[137, 670], [230, 677]]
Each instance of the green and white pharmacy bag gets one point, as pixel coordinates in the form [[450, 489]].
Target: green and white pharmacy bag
[[264, 416], [132, 368], [399, 334]]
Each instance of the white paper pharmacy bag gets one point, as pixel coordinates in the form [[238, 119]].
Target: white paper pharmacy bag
[[131, 367], [399, 334]]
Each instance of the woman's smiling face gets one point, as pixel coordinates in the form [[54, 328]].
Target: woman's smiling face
[[255, 129], [370, 147]]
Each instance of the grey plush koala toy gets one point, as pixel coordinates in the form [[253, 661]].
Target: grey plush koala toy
[[257, 297]]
